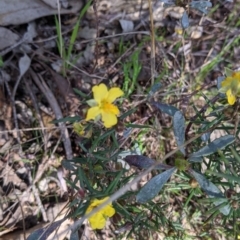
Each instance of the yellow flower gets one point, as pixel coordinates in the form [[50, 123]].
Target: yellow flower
[[231, 86], [98, 220], [103, 105]]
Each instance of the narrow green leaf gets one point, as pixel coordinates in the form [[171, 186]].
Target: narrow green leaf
[[68, 165], [114, 183], [124, 115], [43, 233], [179, 130], [226, 176], [143, 162], [153, 187], [75, 30], [212, 191], [154, 89], [185, 20], [201, 6], [195, 159], [80, 93], [229, 72], [214, 146], [165, 108]]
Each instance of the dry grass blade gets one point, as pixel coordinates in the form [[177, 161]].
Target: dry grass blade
[[152, 42]]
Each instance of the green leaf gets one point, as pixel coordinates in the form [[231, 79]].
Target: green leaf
[[80, 93], [114, 183], [76, 29], [153, 187], [179, 130], [227, 176], [138, 126], [124, 115], [201, 6], [43, 233], [154, 88], [143, 162], [212, 191], [214, 146], [68, 165], [84, 180], [195, 159], [229, 72], [206, 136], [165, 108], [185, 20], [92, 103], [235, 154]]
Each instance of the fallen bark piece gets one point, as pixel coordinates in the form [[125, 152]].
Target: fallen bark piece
[[18, 12]]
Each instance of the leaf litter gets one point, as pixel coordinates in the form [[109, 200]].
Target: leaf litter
[[29, 51]]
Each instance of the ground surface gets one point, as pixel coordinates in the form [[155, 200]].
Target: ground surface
[[37, 78]]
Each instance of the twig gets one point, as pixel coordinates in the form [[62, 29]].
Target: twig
[[32, 129], [9, 49], [38, 199], [23, 217], [14, 113], [85, 73], [97, 38], [37, 78]]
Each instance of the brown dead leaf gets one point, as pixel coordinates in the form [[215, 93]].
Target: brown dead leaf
[[10, 178], [8, 38]]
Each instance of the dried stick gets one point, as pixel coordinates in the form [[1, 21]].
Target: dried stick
[[38, 199], [37, 78], [12, 98], [152, 42], [31, 129]]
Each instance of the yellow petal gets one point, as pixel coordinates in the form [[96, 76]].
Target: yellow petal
[[109, 108], [113, 94], [109, 119], [231, 98], [227, 82], [92, 113], [108, 211], [95, 203], [100, 92], [97, 221], [236, 75]]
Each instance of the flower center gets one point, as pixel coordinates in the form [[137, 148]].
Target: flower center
[[108, 107]]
